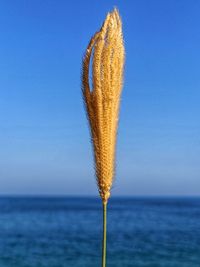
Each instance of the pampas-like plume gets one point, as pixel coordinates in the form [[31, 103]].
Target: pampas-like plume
[[105, 56]]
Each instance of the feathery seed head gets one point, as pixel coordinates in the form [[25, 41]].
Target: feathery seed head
[[105, 57]]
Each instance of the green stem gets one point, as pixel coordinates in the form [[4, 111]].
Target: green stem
[[104, 235]]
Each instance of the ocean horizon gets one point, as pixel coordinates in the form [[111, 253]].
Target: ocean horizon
[[61, 231]]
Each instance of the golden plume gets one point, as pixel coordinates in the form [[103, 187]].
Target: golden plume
[[105, 57]]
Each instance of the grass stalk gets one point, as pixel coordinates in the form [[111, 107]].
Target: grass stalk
[[104, 240]]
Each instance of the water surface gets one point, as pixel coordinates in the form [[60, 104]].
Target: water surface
[[62, 232]]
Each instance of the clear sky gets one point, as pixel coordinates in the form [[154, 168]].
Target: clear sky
[[44, 137]]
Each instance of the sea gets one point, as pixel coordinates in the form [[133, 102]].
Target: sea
[[67, 231]]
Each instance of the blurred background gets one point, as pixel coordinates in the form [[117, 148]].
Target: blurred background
[[46, 163], [44, 137]]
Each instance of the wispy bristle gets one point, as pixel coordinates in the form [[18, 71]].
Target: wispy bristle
[[103, 100]]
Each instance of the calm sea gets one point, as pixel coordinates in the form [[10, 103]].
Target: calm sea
[[61, 232]]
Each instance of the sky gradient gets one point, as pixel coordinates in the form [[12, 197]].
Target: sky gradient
[[44, 136]]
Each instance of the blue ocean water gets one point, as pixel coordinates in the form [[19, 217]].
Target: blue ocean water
[[61, 232]]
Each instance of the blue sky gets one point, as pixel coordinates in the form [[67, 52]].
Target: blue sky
[[44, 137]]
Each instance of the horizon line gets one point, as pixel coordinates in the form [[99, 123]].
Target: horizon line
[[2, 195]]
